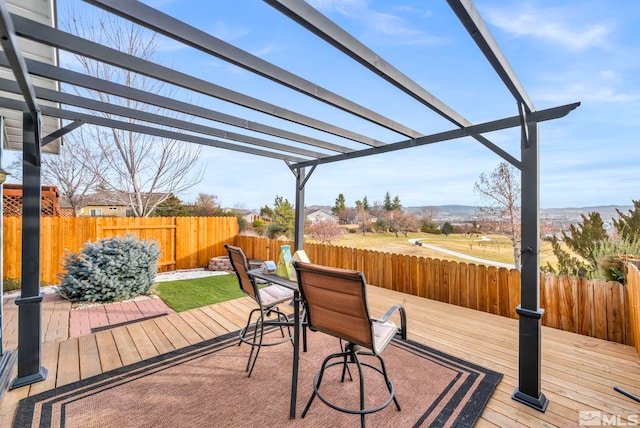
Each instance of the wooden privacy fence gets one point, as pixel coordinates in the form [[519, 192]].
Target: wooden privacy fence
[[589, 307], [185, 242], [633, 297]]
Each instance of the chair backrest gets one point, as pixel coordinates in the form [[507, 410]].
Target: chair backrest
[[240, 266], [336, 302]]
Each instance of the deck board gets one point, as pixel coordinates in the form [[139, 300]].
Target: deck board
[[578, 372], [108, 351], [190, 335], [128, 352], [89, 356], [142, 342]]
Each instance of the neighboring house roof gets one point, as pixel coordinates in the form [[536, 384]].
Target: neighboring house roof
[[320, 215], [115, 199]]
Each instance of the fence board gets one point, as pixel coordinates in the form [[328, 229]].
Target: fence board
[[632, 297], [550, 304], [483, 289], [463, 280], [567, 304], [503, 292], [585, 303], [514, 292], [472, 279], [454, 284], [615, 312], [600, 316], [492, 283]]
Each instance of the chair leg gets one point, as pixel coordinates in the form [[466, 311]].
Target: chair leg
[[354, 355], [316, 384], [388, 382], [259, 345], [345, 368], [253, 343], [243, 332]]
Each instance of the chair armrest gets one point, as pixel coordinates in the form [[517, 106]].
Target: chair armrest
[[403, 319]]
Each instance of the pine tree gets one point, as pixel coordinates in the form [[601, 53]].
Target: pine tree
[[387, 204], [339, 205], [628, 225], [365, 204]]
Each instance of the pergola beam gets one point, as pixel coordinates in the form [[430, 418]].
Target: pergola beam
[[148, 130], [308, 17], [473, 22], [314, 21], [61, 132], [20, 72], [471, 131], [16, 60], [118, 110], [95, 84], [162, 23], [50, 36]]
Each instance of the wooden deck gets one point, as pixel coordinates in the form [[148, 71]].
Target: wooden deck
[[578, 372]]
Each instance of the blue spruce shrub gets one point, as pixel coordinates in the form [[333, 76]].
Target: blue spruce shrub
[[110, 269]]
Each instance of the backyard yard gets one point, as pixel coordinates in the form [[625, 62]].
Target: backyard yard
[[491, 247]]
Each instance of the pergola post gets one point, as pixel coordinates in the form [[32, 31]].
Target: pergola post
[[298, 243], [29, 302], [529, 374]]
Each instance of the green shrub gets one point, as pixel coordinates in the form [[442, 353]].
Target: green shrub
[[110, 269]]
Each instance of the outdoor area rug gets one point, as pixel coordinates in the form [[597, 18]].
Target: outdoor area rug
[[205, 385]]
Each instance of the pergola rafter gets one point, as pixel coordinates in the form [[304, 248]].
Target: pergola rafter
[[302, 154]]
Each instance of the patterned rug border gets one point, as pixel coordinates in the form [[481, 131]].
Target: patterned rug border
[[469, 414]]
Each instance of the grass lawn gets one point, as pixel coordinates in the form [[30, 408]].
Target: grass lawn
[[194, 293], [498, 247]]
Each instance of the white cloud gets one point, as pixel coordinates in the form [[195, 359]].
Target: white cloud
[[344, 7], [547, 24], [585, 92], [390, 25]]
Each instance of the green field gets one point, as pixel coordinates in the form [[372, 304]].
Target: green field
[[497, 248]]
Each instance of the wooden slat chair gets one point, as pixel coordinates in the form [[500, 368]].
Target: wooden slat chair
[[267, 298], [336, 304]]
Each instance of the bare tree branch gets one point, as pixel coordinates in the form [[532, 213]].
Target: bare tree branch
[[501, 191], [138, 170]]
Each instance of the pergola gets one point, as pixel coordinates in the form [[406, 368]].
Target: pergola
[[302, 155]]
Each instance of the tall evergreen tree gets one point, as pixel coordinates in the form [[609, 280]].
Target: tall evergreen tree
[[283, 218], [340, 205], [396, 203], [581, 240], [387, 204], [628, 225]]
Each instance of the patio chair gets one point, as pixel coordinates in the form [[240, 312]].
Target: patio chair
[[267, 298], [336, 304]]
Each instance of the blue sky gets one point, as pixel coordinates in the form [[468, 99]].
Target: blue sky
[[562, 51]]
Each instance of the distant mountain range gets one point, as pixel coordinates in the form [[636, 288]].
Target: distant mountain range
[[607, 212], [572, 214]]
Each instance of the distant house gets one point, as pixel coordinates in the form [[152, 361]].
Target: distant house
[[251, 217], [107, 204], [104, 205], [321, 215]]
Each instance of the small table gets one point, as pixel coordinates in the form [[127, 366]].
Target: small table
[[293, 285]]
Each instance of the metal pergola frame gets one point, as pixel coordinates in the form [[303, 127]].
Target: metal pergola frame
[[301, 158]]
